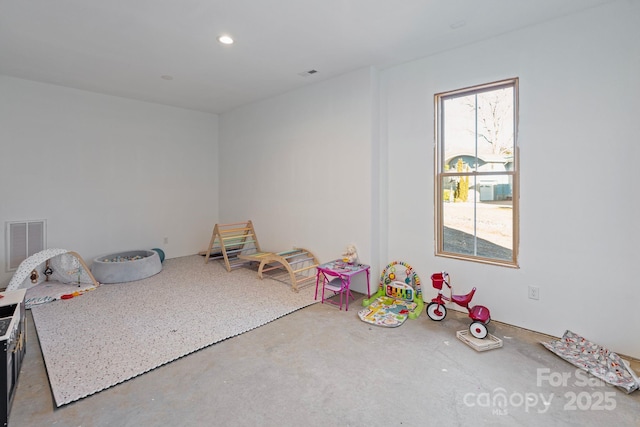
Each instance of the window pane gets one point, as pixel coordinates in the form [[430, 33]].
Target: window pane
[[481, 225], [495, 122], [459, 132]]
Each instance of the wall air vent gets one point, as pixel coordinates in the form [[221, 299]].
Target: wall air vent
[[23, 239], [307, 73]]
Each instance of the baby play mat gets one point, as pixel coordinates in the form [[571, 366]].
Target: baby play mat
[[386, 311], [52, 274], [395, 300], [51, 291]]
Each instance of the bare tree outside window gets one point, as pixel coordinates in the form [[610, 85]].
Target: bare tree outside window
[[476, 173]]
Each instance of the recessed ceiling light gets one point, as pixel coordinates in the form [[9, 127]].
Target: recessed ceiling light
[[225, 39]]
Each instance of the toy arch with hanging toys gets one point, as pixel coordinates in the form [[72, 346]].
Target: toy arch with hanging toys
[[52, 274], [395, 300]]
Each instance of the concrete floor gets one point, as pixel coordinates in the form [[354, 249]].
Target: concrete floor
[[324, 367]]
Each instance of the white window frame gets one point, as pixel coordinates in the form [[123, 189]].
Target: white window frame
[[441, 174]]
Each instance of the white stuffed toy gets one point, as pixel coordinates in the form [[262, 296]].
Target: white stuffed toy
[[350, 255]]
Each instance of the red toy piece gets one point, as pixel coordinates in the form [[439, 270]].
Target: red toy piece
[[436, 310], [71, 295]]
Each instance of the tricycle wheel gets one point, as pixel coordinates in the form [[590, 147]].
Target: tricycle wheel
[[478, 330], [436, 311]]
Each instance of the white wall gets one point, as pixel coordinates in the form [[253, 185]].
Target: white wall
[[350, 160], [299, 166], [579, 127], [108, 174]]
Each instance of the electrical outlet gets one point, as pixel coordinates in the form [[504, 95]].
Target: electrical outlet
[[534, 292], [166, 240]]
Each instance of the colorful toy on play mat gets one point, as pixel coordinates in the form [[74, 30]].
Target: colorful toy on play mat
[[396, 300], [436, 310]]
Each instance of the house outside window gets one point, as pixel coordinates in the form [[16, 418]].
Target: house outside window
[[477, 173]]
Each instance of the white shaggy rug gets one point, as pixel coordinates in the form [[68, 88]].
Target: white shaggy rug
[[119, 331]]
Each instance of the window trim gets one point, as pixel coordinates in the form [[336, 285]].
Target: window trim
[[439, 173]]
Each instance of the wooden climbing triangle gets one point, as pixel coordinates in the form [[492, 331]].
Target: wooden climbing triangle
[[230, 241], [237, 244]]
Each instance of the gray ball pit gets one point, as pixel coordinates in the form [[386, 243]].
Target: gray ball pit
[[106, 268]]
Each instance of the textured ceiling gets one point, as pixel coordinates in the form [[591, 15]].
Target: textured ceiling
[[123, 47]]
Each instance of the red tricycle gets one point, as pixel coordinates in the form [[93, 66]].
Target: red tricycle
[[436, 310]]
